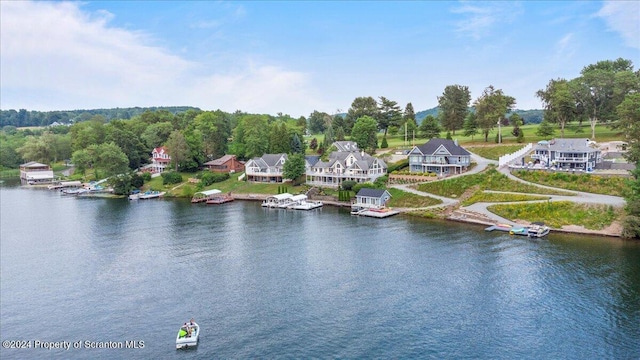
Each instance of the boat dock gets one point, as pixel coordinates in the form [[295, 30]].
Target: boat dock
[[376, 213]]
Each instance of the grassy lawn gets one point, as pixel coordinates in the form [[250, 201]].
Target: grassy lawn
[[557, 214], [603, 133], [405, 199], [494, 151], [607, 185], [232, 184], [497, 197], [490, 179]]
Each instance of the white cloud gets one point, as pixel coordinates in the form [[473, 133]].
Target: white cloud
[[623, 17], [56, 56], [481, 18]]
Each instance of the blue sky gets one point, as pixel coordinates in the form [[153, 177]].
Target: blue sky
[[295, 57]]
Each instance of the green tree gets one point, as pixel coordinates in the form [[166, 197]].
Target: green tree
[[317, 122], [559, 103], [177, 148], [516, 121], [364, 133], [545, 129], [360, 107], [256, 133], [340, 134], [82, 160], [389, 114], [156, 134], [111, 160], [294, 168], [279, 140], [629, 114], [454, 106], [470, 125], [595, 90], [128, 142], [314, 144], [384, 144], [430, 127], [296, 145], [491, 108]]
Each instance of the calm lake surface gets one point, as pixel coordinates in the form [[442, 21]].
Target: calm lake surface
[[266, 283]]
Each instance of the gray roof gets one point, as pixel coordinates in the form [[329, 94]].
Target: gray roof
[[431, 146], [373, 193], [363, 161], [581, 145], [312, 159], [346, 145]]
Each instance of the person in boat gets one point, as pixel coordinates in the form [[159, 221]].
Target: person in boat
[[184, 330], [192, 322]]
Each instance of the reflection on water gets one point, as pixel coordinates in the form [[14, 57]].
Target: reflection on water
[[275, 283]]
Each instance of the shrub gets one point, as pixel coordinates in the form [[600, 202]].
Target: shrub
[[348, 184], [146, 176], [207, 178], [171, 177]]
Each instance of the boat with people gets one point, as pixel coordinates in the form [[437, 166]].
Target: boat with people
[[151, 194], [188, 335]]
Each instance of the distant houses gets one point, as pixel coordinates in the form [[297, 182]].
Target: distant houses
[[440, 156], [160, 159], [34, 173], [225, 164]]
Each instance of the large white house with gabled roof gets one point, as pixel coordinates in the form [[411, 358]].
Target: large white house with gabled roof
[[267, 168], [347, 163], [440, 156]]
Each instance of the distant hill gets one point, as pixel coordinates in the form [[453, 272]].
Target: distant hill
[[23, 117], [529, 116]]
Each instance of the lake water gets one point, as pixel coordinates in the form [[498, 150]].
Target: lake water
[[266, 283]]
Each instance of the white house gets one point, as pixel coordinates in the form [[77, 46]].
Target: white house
[[347, 163]]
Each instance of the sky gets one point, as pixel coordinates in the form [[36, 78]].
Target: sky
[[296, 57]]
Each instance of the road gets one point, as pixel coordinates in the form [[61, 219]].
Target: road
[[481, 208]]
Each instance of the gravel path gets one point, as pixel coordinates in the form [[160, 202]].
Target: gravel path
[[481, 208]]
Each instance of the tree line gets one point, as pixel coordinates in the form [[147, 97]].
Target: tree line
[[24, 118]]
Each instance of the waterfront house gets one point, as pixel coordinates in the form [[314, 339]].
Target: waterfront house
[[267, 168], [440, 156], [368, 198], [347, 163], [160, 159], [33, 173], [225, 164], [568, 154]]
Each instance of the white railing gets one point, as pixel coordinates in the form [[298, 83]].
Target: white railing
[[506, 159]]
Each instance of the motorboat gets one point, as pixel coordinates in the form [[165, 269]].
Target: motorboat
[[135, 195], [188, 335], [151, 194], [537, 229]]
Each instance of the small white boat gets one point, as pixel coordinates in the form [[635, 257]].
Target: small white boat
[[151, 194], [537, 229], [188, 335], [135, 195]]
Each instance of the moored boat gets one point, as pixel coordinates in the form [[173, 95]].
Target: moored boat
[[188, 335], [135, 195], [151, 194], [537, 229]]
